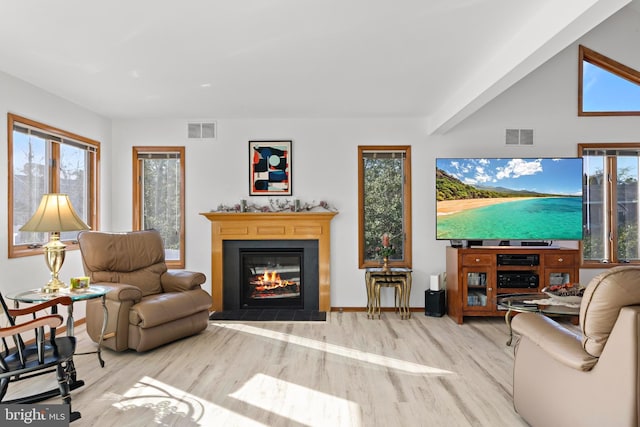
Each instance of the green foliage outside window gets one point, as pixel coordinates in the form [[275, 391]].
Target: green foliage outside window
[[628, 242], [383, 205], [161, 199]]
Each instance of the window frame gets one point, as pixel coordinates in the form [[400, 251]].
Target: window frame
[[607, 64], [610, 205], [22, 250], [407, 241], [137, 194]]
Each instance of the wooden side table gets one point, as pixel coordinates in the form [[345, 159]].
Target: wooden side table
[[397, 278]]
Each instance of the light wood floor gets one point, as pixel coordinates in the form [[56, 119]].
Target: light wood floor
[[348, 371]]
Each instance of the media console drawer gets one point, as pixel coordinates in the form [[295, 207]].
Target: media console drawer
[[560, 260], [477, 259]]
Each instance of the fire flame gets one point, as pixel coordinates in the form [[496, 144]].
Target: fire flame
[[270, 280], [274, 277]]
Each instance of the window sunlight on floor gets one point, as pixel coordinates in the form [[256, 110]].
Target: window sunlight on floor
[[388, 362], [297, 403], [171, 406]]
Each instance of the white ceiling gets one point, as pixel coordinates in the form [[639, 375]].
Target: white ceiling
[[439, 59]]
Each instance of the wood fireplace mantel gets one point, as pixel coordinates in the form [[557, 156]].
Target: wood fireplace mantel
[[271, 226]]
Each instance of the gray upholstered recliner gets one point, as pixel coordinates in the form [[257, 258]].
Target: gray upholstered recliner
[[587, 379], [148, 305]]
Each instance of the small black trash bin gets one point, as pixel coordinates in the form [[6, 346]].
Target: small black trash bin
[[434, 303]]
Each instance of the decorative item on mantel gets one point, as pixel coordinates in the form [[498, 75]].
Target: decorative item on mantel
[[277, 205], [386, 251]]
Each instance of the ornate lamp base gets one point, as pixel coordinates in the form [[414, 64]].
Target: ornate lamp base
[[53, 286], [54, 252]]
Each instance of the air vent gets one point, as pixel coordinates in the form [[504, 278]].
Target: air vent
[[519, 137], [202, 130]]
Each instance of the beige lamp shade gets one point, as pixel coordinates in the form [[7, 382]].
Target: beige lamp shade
[[55, 214]]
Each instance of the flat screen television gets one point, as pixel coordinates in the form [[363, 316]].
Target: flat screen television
[[526, 199]]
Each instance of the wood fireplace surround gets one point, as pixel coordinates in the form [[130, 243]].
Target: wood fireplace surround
[[271, 226]]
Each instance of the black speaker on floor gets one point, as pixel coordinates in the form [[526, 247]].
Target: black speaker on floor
[[434, 303]]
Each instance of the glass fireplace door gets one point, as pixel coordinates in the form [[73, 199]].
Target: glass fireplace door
[[271, 279]]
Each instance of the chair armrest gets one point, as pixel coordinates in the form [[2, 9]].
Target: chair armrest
[[121, 291], [180, 281], [560, 343], [52, 320], [13, 312]]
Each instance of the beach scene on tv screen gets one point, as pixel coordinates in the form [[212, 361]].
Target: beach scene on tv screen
[[514, 199]]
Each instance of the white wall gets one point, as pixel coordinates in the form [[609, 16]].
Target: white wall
[[25, 100], [325, 157], [324, 167]]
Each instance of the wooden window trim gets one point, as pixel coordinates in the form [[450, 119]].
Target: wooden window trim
[[407, 261], [611, 216], [17, 251], [610, 65], [137, 195]]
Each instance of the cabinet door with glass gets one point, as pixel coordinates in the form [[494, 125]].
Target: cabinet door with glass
[[477, 289], [560, 269], [477, 281], [557, 276]]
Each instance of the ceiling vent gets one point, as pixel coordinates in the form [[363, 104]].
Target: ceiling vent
[[519, 137], [202, 130]]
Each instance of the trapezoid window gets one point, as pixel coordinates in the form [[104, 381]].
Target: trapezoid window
[[606, 87]]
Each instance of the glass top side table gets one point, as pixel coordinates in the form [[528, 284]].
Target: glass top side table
[[36, 296], [533, 302]]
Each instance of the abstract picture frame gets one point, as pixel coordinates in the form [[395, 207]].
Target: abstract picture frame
[[270, 168]]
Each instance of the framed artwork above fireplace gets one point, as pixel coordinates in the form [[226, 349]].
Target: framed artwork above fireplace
[[270, 168]]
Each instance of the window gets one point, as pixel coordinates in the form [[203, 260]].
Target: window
[[384, 203], [611, 203], [606, 87], [158, 197], [43, 159]]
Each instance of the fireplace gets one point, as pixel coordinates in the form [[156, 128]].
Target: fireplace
[[271, 226], [270, 274]]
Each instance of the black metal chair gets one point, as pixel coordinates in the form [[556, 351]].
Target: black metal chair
[[21, 360]]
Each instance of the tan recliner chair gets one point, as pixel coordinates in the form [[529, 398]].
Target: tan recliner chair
[[589, 379], [148, 305]]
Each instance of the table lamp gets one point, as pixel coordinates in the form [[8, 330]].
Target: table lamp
[[54, 215]]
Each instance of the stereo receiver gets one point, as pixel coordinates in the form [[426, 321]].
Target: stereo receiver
[[514, 279], [518, 259]]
